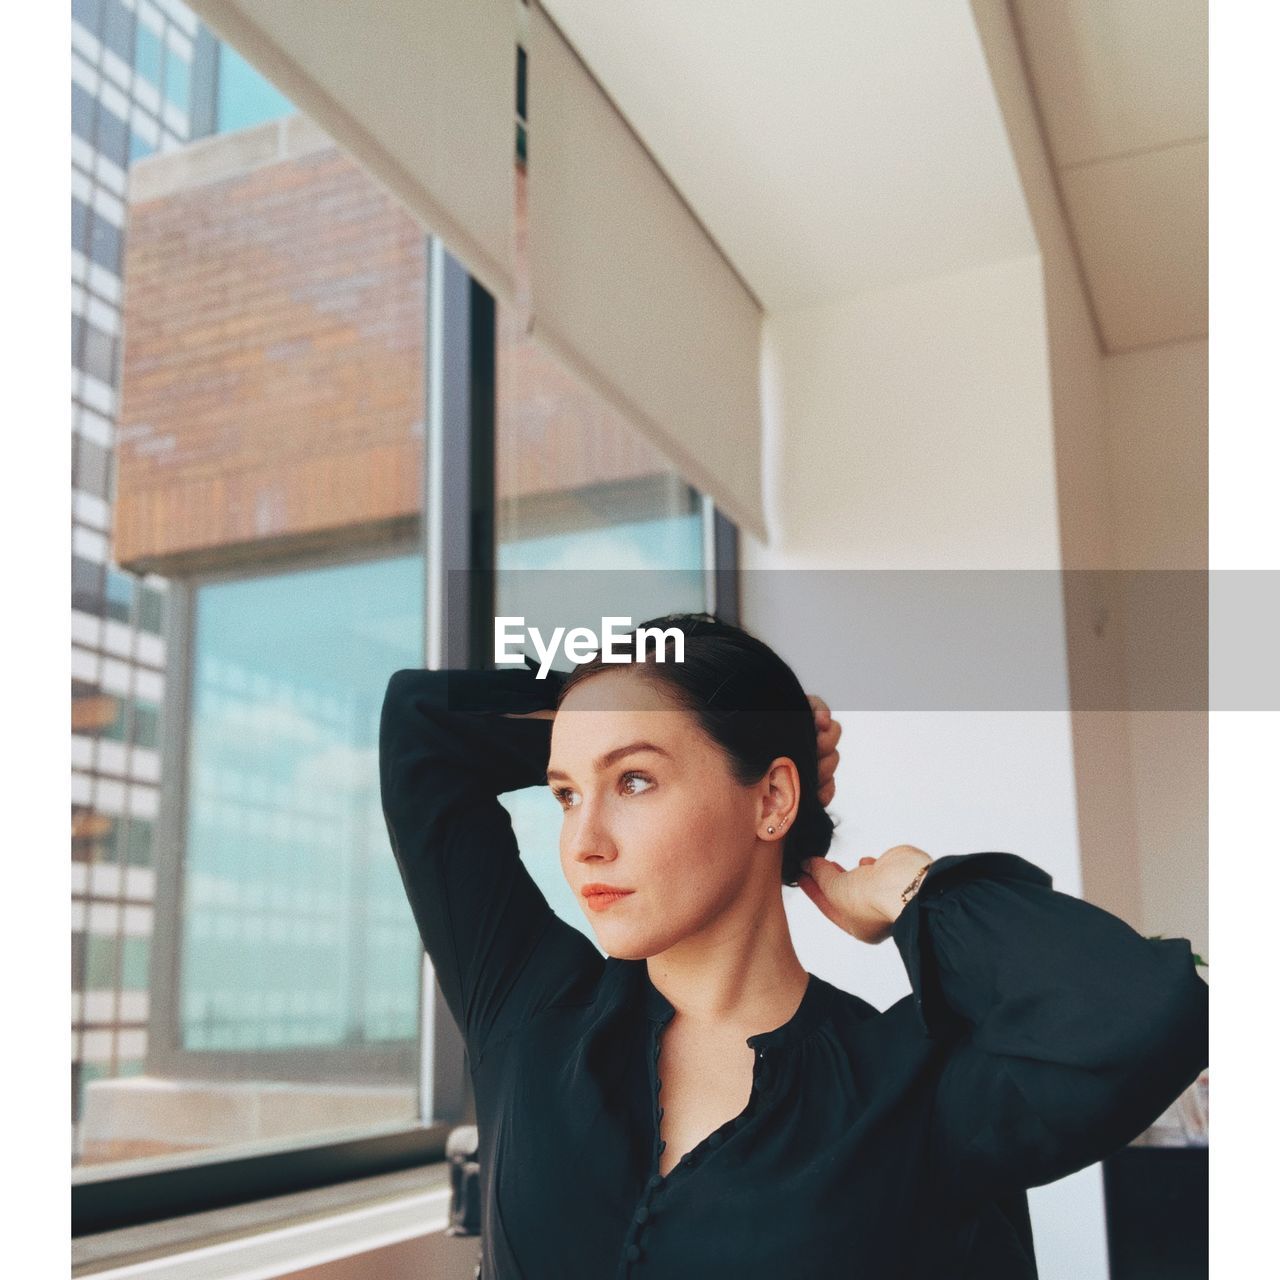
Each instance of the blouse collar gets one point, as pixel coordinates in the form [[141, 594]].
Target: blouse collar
[[808, 1014]]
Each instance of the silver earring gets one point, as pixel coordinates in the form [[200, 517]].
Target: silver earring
[[770, 829]]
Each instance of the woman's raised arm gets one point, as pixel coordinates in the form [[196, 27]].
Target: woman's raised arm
[[1068, 1033], [450, 743], [1072, 1031]]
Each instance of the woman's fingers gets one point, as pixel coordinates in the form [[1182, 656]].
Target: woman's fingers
[[828, 731], [821, 712], [819, 899]]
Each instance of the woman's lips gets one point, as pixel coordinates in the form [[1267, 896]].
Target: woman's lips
[[602, 899]]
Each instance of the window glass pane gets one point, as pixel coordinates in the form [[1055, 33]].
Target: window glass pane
[[101, 954], [177, 80], [139, 147], [151, 609], [86, 584], [93, 465], [119, 594], [134, 958], [245, 98], [149, 54], [113, 136], [81, 112], [79, 225], [87, 13], [104, 244], [114, 729], [146, 724], [118, 33], [138, 849], [296, 934], [99, 354]]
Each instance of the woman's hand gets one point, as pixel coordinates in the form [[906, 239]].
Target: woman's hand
[[864, 900], [828, 730]]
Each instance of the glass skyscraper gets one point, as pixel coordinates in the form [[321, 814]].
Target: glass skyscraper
[[145, 77]]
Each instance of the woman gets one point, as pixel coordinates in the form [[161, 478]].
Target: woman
[[693, 1103]]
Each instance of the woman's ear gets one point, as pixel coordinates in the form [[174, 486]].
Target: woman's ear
[[779, 799]]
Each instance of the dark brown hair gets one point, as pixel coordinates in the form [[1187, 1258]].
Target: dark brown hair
[[748, 701]]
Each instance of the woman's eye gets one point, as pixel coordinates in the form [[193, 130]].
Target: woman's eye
[[562, 794], [635, 777]]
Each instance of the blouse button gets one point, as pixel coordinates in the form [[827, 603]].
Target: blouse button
[[715, 1139], [655, 1182], [633, 1252], [642, 1214]]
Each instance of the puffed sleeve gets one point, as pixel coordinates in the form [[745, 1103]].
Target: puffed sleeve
[[446, 752], [1069, 1032]]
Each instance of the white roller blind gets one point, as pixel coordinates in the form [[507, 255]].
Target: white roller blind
[[421, 92], [629, 290]]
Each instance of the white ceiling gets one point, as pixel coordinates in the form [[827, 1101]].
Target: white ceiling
[[827, 147], [833, 147], [1122, 87]]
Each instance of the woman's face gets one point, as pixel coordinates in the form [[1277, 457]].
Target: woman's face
[[666, 820]]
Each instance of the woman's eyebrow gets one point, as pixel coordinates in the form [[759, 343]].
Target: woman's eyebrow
[[610, 757]]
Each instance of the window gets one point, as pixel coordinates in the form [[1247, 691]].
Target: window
[[82, 113], [88, 13], [148, 54], [295, 932], [118, 33], [113, 136], [105, 244], [151, 609], [79, 225], [139, 147], [98, 355], [177, 80], [115, 730], [134, 961], [138, 848], [146, 724], [86, 583], [119, 595], [101, 956], [244, 97], [93, 462]]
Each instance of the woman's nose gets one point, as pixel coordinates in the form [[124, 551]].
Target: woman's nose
[[589, 838]]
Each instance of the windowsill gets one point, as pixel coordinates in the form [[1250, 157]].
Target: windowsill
[[304, 1228]]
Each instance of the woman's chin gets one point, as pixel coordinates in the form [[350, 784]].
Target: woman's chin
[[620, 948], [631, 944]]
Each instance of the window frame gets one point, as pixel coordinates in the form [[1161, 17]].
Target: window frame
[[457, 529]]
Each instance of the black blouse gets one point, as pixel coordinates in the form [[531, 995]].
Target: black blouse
[[1041, 1033]]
